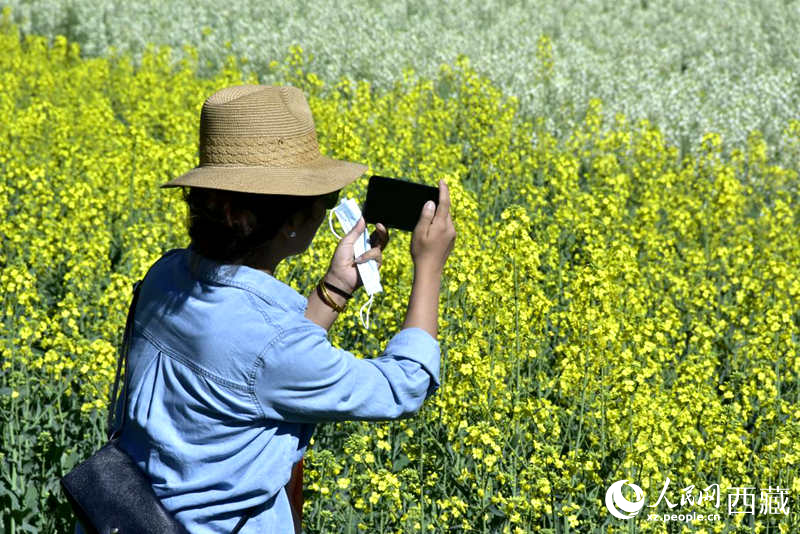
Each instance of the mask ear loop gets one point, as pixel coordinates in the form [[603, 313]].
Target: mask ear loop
[[330, 223], [367, 305]]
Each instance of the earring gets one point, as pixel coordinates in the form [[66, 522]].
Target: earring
[[292, 234]]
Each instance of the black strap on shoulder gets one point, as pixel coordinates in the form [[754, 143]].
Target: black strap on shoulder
[[123, 357]]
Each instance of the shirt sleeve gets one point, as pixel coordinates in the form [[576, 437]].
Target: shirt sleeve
[[303, 378]]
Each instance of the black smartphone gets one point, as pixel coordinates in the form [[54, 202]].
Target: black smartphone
[[396, 203]]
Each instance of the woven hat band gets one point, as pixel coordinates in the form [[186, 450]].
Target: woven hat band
[[267, 151]]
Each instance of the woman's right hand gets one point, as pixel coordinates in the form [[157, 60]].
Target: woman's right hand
[[434, 235]]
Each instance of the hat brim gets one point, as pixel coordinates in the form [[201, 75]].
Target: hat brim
[[317, 177]]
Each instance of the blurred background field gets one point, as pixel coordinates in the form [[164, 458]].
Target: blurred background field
[[618, 304], [728, 66]]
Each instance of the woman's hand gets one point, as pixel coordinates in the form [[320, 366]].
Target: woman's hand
[[342, 271]]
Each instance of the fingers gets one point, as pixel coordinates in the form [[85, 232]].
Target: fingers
[[425, 217], [375, 253], [378, 240], [355, 231], [443, 209], [380, 237]]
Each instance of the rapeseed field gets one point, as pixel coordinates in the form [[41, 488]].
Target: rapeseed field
[[615, 307], [728, 66]]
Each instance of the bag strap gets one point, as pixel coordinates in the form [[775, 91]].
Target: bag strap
[[123, 357], [242, 521]]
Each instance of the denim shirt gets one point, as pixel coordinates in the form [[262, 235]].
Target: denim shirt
[[227, 380]]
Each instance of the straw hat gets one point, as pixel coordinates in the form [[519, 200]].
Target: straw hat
[[261, 139]]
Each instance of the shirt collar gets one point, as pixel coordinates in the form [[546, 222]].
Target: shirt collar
[[256, 281]]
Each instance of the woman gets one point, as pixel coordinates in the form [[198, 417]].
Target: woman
[[230, 368]]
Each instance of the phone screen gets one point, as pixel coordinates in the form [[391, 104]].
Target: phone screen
[[396, 203]]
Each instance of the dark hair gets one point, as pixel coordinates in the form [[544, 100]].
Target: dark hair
[[215, 239]]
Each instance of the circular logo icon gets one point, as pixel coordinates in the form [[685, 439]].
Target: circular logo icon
[[619, 506]]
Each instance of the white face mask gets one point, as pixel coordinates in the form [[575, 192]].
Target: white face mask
[[348, 214]]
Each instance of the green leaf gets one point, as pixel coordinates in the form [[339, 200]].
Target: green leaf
[[401, 462]]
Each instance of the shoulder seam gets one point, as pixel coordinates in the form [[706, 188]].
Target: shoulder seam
[[259, 361]]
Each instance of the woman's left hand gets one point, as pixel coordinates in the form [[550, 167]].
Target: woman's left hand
[[343, 272]]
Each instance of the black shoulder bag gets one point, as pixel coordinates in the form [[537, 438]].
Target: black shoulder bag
[[108, 492]]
